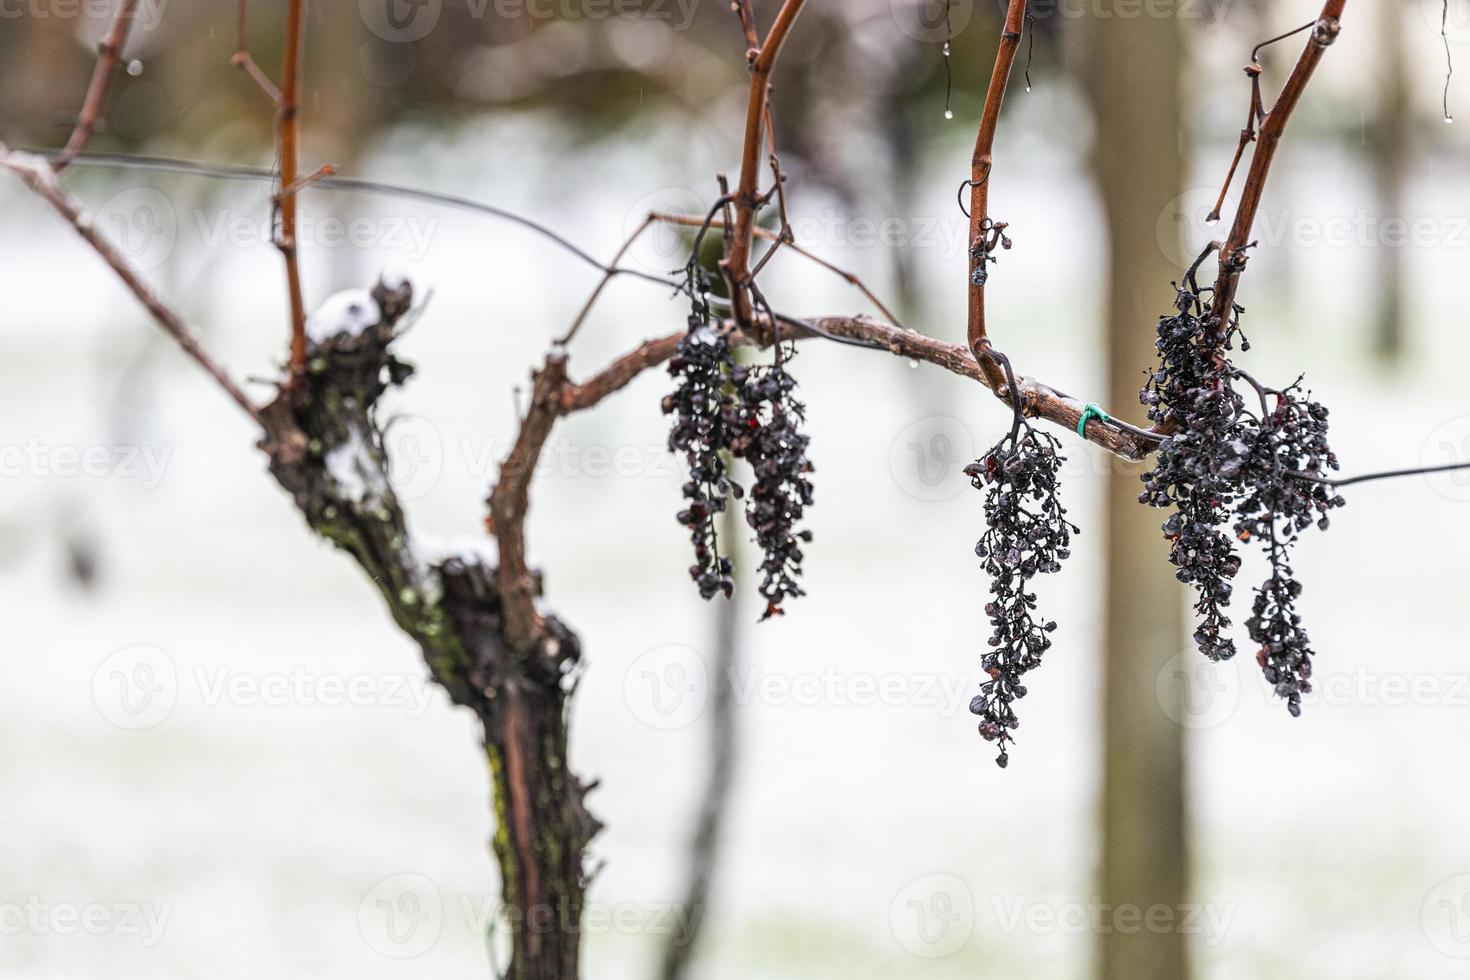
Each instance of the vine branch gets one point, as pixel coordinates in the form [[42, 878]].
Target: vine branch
[[981, 165], [109, 52]]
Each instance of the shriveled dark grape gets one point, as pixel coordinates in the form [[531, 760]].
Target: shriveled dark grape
[[704, 415], [1222, 458], [1027, 534], [767, 434]]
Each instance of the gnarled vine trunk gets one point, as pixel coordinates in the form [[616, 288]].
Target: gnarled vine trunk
[[326, 448]]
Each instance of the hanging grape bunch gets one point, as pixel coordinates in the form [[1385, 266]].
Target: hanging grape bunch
[[1221, 458], [1277, 505], [704, 419], [1197, 466], [1027, 534], [769, 437]]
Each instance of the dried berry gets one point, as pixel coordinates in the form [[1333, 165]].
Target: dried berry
[[703, 411], [1198, 466], [1221, 457], [768, 435], [1290, 443], [1027, 535]]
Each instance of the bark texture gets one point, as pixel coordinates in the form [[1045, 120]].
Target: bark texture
[[325, 443]]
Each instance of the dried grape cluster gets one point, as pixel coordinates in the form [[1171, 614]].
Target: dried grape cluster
[[769, 437], [719, 408], [1276, 508], [1198, 466], [703, 413], [1221, 458], [1027, 534]]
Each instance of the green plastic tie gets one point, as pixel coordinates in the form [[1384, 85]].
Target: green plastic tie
[[1091, 411]]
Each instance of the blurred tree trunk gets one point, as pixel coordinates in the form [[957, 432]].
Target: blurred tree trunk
[[1135, 87], [1389, 146]]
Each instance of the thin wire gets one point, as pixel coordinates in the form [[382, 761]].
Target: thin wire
[[1384, 475], [1256, 51], [1449, 61], [338, 182]]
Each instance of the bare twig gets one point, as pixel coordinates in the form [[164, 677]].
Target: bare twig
[[41, 178], [1039, 399], [286, 137], [981, 166], [610, 271], [1233, 254], [747, 25], [511, 498], [689, 220], [335, 182], [246, 63], [109, 51], [737, 266]]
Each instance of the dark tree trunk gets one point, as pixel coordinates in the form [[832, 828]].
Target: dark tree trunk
[[1136, 92], [326, 449]]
